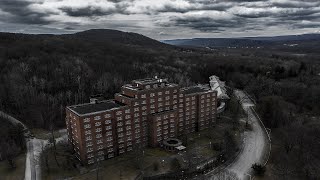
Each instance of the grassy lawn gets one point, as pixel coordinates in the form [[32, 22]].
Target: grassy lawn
[[13, 174], [121, 167]]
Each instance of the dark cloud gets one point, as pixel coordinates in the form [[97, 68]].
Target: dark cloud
[[206, 24], [85, 11], [19, 12], [149, 15]]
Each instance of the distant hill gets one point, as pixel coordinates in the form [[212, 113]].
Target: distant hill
[[115, 36], [244, 41], [105, 36]]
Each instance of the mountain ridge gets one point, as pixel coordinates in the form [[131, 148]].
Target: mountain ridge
[[242, 41]]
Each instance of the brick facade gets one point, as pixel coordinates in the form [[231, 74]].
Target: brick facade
[[145, 112]]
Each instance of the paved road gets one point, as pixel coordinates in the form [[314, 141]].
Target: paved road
[[34, 148], [254, 146]]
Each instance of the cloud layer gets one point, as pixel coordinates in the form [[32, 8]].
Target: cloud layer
[[164, 18]]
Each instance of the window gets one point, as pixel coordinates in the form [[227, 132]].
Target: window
[[97, 123], [118, 112], [107, 115], [152, 94], [151, 100], [143, 96], [136, 109], [120, 129], [120, 135], [136, 114], [90, 156], [128, 127], [109, 133], [160, 99], [109, 144], [167, 97], [128, 122], [137, 125], [159, 93], [87, 132], [137, 130], [110, 155], [100, 153], [136, 103], [167, 92], [107, 121], [98, 129], [109, 138], [99, 141], [108, 127], [98, 135], [119, 118], [127, 111], [88, 138], [97, 118], [147, 86], [86, 126], [110, 150], [89, 150], [89, 144], [86, 120], [155, 85]]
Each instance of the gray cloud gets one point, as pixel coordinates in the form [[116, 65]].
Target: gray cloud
[[18, 11], [164, 18]]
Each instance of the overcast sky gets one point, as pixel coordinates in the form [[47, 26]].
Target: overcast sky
[[163, 19]]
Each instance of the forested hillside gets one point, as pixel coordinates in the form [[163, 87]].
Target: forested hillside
[[41, 74]]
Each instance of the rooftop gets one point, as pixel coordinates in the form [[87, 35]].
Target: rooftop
[[195, 89], [149, 80], [95, 107]]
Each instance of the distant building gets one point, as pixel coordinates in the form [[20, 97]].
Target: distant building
[[220, 87], [146, 112]]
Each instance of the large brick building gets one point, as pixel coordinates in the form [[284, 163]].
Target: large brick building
[[145, 112]]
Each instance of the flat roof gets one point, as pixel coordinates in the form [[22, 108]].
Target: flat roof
[[149, 80], [195, 89], [95, 107]]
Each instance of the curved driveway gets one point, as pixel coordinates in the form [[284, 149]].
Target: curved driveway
[[255, 143]]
